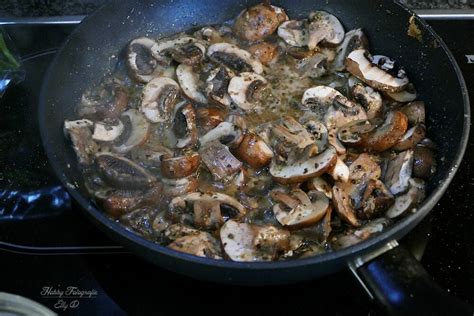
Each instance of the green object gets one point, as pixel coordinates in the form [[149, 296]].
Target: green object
[[7, 61]]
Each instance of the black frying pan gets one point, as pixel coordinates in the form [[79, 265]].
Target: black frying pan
[[390, 273]]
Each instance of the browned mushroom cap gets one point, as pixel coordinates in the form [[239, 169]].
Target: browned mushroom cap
[[359, 64], [247, 242], [254, 151], [353, 40], [258, 22], [200, 244], [120, 202], [399, 171], [387, 135], [376, 200], [80, 134], [180, 167], [415, 112], [299, 168], [424, 162], [370, 99], [122, 173], [108, 100], [299, 209], [219, 160], [209, 118], [411, 138], [216, 88], [178, 187], [266, 52], [184, 125], [408, 201]]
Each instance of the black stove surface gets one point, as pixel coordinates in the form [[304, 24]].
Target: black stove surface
[[47, 245]]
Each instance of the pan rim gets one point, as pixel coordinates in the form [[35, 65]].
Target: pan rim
[[394, 232]]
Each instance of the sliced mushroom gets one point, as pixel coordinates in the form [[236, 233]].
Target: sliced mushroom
[[140, 221], [353, 132], [184, 125], [245, 90], [219, 160], [201, 244], [386, 135], [177, 187], [217, 84], [150, 155], [294, 33], [190, 83], [226, 133], [176, 231], [180, 167], [320, 185], [265, 52], [159, 98], [353, 237], [235, 58], [411, 138], [324, 27], [120, 202], [209, 34], [424, 162], [136, 131], [297, 170], [80, 134], [399, 171], [108, 100], [246, 242], [122, 173], [209, 118], [107, 130], [376, 200], [191, 53], [290, 131], [320, 96], [309, 208], [370, 99], [409, 200], [342, 203], [353, 40], [415, 112], [142, 66], [254, 151], [319, 132], [339, 171], [259, 21], [407, 95], [182, 48], [314, 66], [358, 64]]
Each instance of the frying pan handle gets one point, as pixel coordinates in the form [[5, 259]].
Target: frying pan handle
[[400, 284]]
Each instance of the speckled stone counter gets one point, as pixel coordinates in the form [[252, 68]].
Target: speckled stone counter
[[25, 8]]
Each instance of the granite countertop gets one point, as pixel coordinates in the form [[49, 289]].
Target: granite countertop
[[25, 8]]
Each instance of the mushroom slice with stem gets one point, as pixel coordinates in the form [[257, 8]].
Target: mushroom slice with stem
[[184, 125], [234, 58], [216, 88], [339, 171], [352, 132], [324, 28], [122, 173], [159, 98], [254, 151], [415, 112], [246, 242], [320, 185], [136, 131], [399, 171], [258, 22], [182, 48], [411, 138], [177, 187], [80, 134], [219, 160], [200, 244], [180, 167], [294, 33], [409, 200], [245, 90], [370, 99], [189, 54], [342, 202], [190, 83], [424, 162], [299, 169], [359, 64], [353, 40], [265, 52], [142, 65], [227, 133], [309, 209], [289, 130], [320, 96], [107, 130]]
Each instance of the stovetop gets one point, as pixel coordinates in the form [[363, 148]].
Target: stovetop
[[47, 244]]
